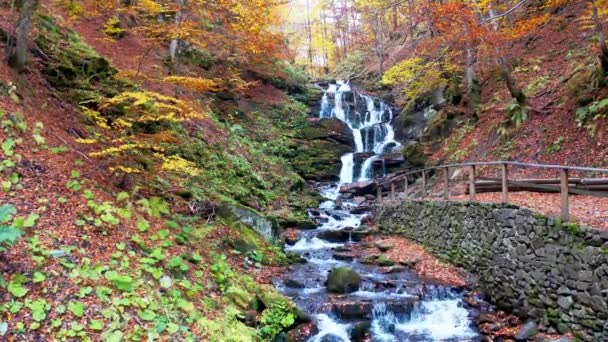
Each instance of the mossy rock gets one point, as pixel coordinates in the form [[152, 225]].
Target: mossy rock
[[384, 261], [266, 227], [74, 67], [247, 241], [240, 297], [343, 280], [269, 297], [414, 154], [369, 260]]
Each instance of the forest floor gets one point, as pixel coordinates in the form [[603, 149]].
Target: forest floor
[[585, 210]]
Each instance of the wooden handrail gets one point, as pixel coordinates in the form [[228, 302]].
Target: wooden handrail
[[512, 163], [563, 185]]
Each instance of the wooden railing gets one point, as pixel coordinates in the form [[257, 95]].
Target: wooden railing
[[564, 184]]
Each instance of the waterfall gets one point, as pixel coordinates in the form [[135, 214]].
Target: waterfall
[[371, 125], [384, 322], [330, 330], [346, 174], [439, 320], [367, 171]]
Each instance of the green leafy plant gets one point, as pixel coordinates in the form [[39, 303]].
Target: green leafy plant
[[124, 283], [8, 233], [555, 146], [15, 286], [38, 307], [76, 308], [516, 113], [221, 271], [587, 116], [154, 206], [275, 319], [177, 264]]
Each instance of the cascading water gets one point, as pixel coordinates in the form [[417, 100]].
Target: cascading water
[[408, 309], [370, 123]]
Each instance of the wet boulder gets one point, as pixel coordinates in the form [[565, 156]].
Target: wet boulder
[[306, 224], [359, 200], [360, 330], [302, 333], [334, 235], [361, 232], [361, 209], [394, 269], [343, 256], [331, 129], [291, 236], [343, 280], [527, 331], [383, 246], [331, 338], [363, 309], [356, 310], [295, 258], [359, 188], [293, 284]]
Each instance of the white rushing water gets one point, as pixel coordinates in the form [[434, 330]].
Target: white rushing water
[[440, 320], [433, 320], [329, 327], [312, 244], [372, 130]]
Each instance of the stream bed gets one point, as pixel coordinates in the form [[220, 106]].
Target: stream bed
[[393, 306]]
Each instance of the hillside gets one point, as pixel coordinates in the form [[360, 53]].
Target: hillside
[[127, 186]]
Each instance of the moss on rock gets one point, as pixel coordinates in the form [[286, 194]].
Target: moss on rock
[[343, 280]]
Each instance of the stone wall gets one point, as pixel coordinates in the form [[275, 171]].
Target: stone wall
[[536, 267]]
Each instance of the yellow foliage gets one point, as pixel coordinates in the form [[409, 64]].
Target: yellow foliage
[[113, 150], [194, 83], [416, 76], [95, 116], [139, 106], [124, 169], [178, 165], [150, 6], [86, 141]]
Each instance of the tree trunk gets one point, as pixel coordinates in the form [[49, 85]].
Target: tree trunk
[[309, 33], [473, 87], [23, 28], [378, 43], [174, 45], [505, 71], [602, 37]]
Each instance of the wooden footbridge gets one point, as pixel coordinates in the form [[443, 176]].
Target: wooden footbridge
[[595, 183]]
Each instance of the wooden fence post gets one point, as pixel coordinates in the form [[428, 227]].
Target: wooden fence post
[[505, 183], [392, 190], [405, 187], [472, 191], [446, 179], [379, 189], [423, 184], [564, 192]]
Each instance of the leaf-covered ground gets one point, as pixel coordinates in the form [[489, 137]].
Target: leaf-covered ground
[[585, 210]]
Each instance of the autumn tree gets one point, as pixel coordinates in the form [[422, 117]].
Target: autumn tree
[[599, 30], [17, 50]]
